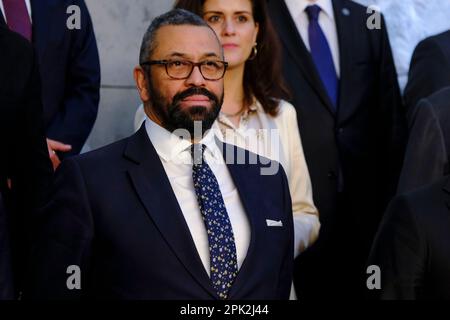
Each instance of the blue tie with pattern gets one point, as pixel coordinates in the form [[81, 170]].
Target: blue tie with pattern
[[321, 54], [222, 248]]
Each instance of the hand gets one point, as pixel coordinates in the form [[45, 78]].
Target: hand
[[54, 146]]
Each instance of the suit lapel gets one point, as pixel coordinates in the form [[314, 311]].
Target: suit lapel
[[252, 203], [154, 190], [343, 16], [40, 12], [151, 184], [293, 42]]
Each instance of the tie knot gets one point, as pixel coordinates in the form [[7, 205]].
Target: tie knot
[[313, 12], [197, 150]]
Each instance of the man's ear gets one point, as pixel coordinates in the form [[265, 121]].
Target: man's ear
[[141, 83]]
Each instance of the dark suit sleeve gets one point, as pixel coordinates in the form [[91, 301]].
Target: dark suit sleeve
[[76, 118], [391, 127], [63, 238], [429, 72], [286, 272], [33, 170], [426, 157], [400, 252]]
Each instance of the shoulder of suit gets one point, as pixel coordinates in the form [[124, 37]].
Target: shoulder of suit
[[438, 101], [103, 155], [441, 38], [440, 42]]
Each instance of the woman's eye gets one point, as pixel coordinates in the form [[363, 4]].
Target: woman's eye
[[242, 19], [214, 19]]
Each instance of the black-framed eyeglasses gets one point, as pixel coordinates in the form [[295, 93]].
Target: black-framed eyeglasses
[[182, 69]]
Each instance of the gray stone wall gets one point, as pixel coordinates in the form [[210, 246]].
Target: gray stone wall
[[119, 26]]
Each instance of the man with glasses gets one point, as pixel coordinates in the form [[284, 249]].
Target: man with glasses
[[159, 215]]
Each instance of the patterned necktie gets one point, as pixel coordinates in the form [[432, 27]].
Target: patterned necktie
[[17, 17], [222, 248], [321, 54]]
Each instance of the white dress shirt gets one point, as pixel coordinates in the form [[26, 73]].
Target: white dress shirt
[[326, 21], [289, 153], [175, 156], [27, 3]]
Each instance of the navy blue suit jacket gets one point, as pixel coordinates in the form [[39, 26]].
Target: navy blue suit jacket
[[70, 71], [115, 215], [412, 247]]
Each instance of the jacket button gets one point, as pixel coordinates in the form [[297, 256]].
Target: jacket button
[[332, 175]]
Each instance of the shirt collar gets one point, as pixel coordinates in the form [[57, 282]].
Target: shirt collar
[[297, 7], [172, 148]]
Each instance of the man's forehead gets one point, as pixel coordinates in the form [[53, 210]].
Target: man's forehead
[[187, 40]]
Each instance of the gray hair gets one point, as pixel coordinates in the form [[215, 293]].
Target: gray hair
[[174, 17]]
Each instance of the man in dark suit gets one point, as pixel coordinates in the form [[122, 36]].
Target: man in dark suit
[[69, 67], [140, 221], [427, 97], [412, 247], [345, 90], [429, 71], [428, 151], [25, 169]]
